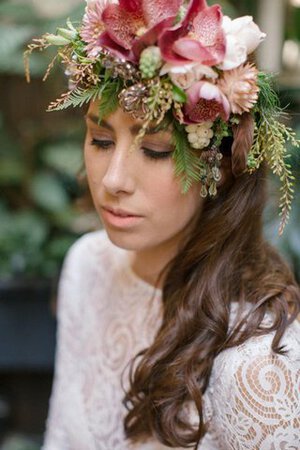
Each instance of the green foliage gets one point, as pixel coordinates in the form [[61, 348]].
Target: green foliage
[[35, 235], [289, 242], [19, 22], [77, 97], [268, 103], [270, 143], [65, 158], [20, 242], [39, 159], [109, 98], [187, 163], [178, 94], [222, 130], [48, 192]]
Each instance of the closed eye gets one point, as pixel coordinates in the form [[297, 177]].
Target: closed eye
[[105, 144], [152, 154]]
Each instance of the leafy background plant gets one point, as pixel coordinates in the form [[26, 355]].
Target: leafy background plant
[[40, 153]]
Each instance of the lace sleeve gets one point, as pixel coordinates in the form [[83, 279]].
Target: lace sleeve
[[257, 402], [67, 354]]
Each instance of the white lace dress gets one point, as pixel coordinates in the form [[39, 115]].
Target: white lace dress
[[106, 315]]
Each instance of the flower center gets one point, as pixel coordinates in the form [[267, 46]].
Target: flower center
[[205, 110], [141, 31]]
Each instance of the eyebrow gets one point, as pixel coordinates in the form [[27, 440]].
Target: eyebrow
[[134, 129]]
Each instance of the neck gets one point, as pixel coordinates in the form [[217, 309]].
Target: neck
[[149, 263]]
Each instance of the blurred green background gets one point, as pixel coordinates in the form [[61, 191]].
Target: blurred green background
[[42, 207]]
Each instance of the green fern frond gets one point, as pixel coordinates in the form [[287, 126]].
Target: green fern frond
[[109, 97], [75, 97], [187, 164]]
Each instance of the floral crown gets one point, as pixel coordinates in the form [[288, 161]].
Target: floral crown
[[168, 62]]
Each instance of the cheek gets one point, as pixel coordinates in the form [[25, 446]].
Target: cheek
[[94, 170], [174, 209]]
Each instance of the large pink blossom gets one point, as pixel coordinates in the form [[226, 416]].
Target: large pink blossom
[[132, 25], [200, 37], [205, 102]]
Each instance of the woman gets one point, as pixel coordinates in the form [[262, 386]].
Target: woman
[[177, 322]]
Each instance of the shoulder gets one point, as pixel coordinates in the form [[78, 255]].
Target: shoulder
[[88, 259], [253, 366], [257, 353], [90, 250], [254, 388], [88, 245]]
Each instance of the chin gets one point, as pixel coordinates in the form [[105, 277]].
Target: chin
[[134, 241]]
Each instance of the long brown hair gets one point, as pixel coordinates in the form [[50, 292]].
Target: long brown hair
[[224, 259]]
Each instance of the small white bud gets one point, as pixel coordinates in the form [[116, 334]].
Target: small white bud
[[203, 142], [196, 145], [191, 128], [207, 124], [192, 137]]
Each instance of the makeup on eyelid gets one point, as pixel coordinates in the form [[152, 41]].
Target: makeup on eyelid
[[106, 142]]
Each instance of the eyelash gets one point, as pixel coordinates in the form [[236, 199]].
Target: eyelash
[[104, 145]]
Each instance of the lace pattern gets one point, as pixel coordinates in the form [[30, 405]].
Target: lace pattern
[[106, 314]]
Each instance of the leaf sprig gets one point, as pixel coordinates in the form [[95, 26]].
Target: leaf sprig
[[109, 92], [187, 164], [75, 97]]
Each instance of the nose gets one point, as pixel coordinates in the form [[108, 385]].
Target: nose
[[119, 175]]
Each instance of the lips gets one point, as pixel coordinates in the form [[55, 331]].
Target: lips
[[120, 212]]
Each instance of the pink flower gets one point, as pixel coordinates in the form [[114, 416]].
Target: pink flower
[[133, 25], [92, 26], [205, 102], [240, 87], [200, 36]]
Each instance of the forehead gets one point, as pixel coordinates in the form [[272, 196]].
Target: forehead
[[119, 120]]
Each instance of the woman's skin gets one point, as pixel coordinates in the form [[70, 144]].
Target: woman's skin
[[134, 182]]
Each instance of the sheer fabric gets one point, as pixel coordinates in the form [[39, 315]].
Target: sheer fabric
[[106, 314]]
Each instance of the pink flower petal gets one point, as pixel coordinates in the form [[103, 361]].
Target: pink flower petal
[[199, 109], [157, 10], [194, 8], [208, 29], [194, 50], [166, 42], [105, 41], [134, 6], [168, 38], [121, 25], [151, 36], [193, 92]]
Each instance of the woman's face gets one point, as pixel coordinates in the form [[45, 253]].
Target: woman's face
[[141, 182]]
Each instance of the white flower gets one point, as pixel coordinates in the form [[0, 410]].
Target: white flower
[[243, 36], [192, 138], [205, 133], [186, 75], [199, 135]]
